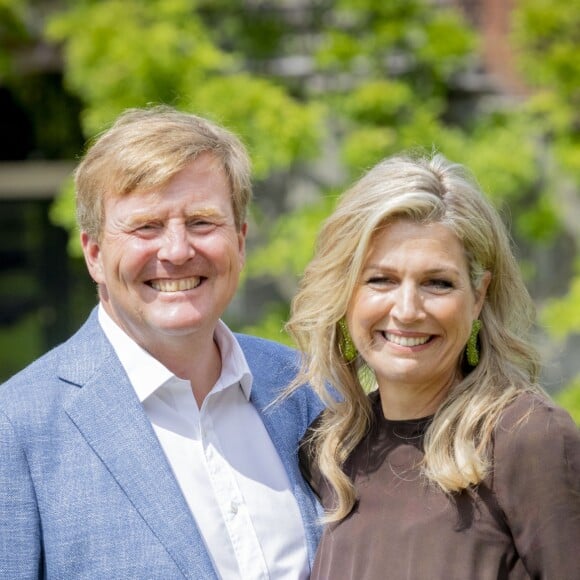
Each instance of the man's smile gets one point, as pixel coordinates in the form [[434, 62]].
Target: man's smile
[[175, 285]]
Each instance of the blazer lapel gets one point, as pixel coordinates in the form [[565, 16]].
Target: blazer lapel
[[286, 421], [108, 414]]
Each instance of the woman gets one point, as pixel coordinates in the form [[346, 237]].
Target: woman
[[457, 466]]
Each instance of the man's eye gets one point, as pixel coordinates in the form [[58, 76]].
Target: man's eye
[[201, 226], [146, 226]]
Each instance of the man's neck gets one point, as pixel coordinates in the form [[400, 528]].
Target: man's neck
[[199, 363], [192, 356]]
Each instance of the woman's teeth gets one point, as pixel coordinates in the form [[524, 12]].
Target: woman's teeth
[[406, 340]]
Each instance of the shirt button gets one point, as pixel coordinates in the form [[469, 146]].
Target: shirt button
[[234, 508]]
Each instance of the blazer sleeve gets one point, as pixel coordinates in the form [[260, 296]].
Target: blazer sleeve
[[307, 460], [20, 549], [537, 481]]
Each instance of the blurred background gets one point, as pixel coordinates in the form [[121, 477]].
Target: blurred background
[[319, 91]]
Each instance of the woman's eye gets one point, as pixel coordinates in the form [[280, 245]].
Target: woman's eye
[[440, 284], [379, 280]]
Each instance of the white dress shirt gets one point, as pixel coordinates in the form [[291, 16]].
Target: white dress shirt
[[224, 461]]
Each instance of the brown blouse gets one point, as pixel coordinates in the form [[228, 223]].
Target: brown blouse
[[522, 522]]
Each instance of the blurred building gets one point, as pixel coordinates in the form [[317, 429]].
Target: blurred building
[[492, 19], [39, 284]]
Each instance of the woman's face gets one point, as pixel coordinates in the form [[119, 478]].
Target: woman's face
[[411, 313]]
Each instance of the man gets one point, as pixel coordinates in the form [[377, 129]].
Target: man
[[147, 446]]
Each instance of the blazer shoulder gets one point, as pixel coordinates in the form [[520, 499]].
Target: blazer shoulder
[[268, 353], [249, 342], [47, 379], [38, 372], [274, 366]]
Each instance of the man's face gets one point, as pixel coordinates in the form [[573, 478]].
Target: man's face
[[169, 258]]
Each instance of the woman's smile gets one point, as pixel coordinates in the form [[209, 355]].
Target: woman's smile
[[403, 340]]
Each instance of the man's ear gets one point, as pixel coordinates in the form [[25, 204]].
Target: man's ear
[[242, 242], [92, 254]]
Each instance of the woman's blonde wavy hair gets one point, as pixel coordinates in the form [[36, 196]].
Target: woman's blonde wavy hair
[[424, 189]]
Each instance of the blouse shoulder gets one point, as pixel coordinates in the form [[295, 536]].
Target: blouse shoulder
[[536, 480], [531, 417], [534, 426]]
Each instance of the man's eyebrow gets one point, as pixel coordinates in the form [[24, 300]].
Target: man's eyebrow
[[203, 212], [143, 217], [137, 217]]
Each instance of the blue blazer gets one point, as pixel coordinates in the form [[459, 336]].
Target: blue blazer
[[85, 488]]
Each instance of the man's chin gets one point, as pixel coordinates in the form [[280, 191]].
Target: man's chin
[[181, 325], [179, 329]]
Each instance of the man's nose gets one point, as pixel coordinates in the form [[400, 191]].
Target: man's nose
[[175, 244]]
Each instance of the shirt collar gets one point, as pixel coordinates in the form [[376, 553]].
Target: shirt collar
[[235, 368], [147, 374]]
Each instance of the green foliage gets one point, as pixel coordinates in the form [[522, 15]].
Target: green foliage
[[546, 33], [292, 243], [365, 145], [489, 152], [397, 59], [163, 52], [569, 398], [131, 52], [277, 129], [12, 32], [547, 30], [431, 41], [380, 101], [63, 213], [338, 50], [445, 43], [540, 223], [19, 344], [271, 326], [562, 316]]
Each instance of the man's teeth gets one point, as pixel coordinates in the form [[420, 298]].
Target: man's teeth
[[166, 285], [406, 340]]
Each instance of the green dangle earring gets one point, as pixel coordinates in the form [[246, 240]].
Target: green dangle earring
[[346, 345], [472, 352]]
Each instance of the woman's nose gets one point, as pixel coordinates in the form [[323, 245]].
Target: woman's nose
[[408, 303]]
